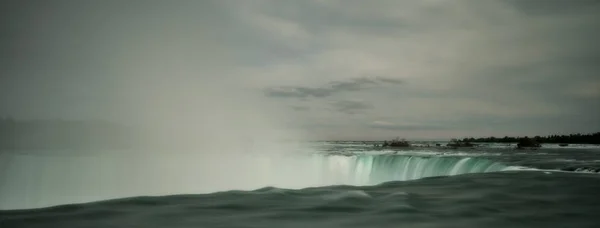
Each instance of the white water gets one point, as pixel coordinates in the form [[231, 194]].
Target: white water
[[30, 181], [369, 170]]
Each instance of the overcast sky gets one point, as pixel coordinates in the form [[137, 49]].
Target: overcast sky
[[338, 69]]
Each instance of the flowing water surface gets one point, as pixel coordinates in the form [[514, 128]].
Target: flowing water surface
[[330, 184]]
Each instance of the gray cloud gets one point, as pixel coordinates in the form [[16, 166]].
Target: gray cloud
[[329, 89], [351, 107], [298, 92], [300, 108], [405, 127], [553, 7], [473, 67], [391, 80]]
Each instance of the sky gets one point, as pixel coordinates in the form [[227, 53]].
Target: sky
[[310, 69]]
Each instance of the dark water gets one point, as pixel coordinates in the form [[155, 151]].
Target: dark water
[[560, 189]]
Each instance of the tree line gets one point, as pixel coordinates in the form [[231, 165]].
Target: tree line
[[593, 138]]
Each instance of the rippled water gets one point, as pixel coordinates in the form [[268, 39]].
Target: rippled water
[[341, 185]]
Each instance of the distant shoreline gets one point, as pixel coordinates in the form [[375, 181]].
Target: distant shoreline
[[592, 139]]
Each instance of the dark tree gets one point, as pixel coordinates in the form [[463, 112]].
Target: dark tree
[[593, 138]]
